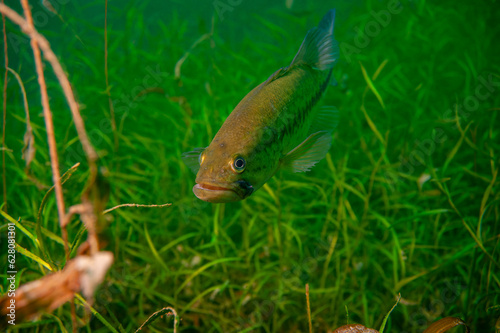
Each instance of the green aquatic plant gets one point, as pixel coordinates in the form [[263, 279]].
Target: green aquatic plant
[[405, 201]]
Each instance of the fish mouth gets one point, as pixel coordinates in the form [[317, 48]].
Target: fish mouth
[[218, 194], [212, 187]]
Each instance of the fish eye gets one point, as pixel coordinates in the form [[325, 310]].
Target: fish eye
[[239, 164]]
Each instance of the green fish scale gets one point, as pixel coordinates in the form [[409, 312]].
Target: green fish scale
[[292, 117], [297, 122]]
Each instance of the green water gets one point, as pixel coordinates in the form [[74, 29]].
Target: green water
[[406, 201]]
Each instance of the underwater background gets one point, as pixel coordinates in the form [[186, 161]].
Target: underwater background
[[407, 201]]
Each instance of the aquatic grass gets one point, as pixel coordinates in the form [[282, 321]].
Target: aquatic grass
[[357, 228]]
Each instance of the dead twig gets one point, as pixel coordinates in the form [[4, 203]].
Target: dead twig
[[355, 328], [49, 125], [308, 308], [79, 125], [135, 205], [62, 78], [83, 273], [168, 310]]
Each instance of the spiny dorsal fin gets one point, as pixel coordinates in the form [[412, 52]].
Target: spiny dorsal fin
[[276, 75], [319, 49]]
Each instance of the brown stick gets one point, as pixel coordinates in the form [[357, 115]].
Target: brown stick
[[49, 125], [62, 78], [308, 308], [4, 177], [135, 205], [160, 314]]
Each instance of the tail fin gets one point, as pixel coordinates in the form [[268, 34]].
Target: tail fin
[[319, 49]]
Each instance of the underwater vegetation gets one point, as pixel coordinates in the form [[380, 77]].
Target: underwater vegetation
[[396, 228]]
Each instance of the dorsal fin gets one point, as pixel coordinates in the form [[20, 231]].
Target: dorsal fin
[[319, 49], [276, 75]]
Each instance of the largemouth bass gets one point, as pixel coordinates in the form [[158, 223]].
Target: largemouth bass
[[276, 126]]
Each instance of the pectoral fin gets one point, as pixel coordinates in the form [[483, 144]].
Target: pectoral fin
[[326, 119], [308, 153], [192, 159]]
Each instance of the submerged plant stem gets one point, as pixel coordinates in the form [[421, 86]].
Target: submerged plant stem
[[308, 308], [61, 77], [30, 142], [49, 124], [167, 310], [135, 205]]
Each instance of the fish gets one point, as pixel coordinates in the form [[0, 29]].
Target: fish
[[276, 126]]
